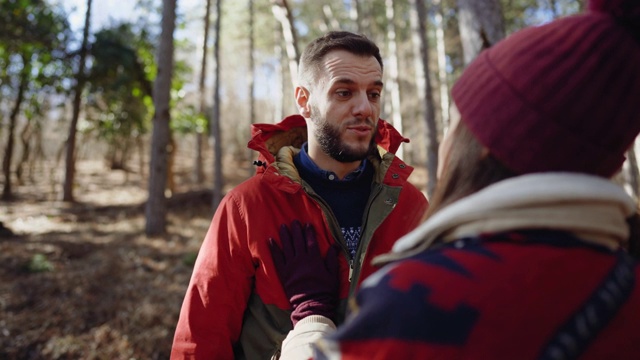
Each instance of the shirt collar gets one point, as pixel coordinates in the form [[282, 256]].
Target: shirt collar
[[311, 166]]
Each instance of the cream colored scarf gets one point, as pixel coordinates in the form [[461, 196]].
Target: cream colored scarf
[[593, 208]]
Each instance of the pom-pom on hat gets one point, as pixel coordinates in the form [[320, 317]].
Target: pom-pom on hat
[[564, 96]]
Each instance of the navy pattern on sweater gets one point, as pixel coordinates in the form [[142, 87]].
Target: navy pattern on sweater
[[347, 197], [478, 298]]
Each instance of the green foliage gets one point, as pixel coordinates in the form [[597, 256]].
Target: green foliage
[[39, 263], [120, 88], [453, 45], [187, 120], [34, 38], [522, 13], [182, 72], [27, 24]]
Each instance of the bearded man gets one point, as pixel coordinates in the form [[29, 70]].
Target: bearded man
[[332, 167]]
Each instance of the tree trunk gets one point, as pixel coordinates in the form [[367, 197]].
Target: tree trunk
[[198, 166], [252, 83], [553, 6], [70, 160], [442, 66], [393, 83], [481, 25], [354, 15], [365, 13], [172, 150], [198, 169], [39, 157], [278, 111], [141, 157], [25, 139], [156, 207], [421, 44], [330, 19], [218, 182], [282, 13], [7, 192]]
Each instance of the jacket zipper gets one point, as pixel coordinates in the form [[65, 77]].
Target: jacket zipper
[[350, 270], [334, 222], [361, 251]]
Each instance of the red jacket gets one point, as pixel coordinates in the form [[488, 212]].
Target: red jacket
[[235, 306]]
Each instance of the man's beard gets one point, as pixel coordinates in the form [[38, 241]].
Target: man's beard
[[329, 138]]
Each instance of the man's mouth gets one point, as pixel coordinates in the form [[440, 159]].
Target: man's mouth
[[360, 129]]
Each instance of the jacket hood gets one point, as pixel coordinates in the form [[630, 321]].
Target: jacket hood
[[267, 139]]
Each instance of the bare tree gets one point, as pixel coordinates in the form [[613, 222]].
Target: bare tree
[[553, 6], [354, 15], [198, 168], [251, 78], [393, 82], [156, 207], [218, 182], [7, 193], [252, 62], [279, 101], [282, 12], [25, 140], [421, 45], [442, 65], [70, 160], [365, 18], [481, 25], [330, 18]]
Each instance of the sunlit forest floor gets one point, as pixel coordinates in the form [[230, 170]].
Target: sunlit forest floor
[[82, 281]]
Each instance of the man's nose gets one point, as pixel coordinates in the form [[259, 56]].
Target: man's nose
[[362, 107]]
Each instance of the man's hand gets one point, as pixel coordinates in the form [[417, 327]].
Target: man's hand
[[310, 282]]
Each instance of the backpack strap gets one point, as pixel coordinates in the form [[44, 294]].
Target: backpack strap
[[574, 336]]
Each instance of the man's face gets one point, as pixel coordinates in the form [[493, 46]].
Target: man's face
[[343, 106]]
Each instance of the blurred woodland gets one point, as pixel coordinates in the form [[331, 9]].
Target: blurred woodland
[[118, 141]]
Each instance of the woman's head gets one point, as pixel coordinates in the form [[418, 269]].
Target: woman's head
[[465, 166], [559, 97]]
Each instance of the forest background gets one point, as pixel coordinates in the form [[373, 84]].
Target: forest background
[[118, 141]]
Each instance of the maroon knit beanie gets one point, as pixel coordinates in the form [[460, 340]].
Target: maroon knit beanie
[[564, 96]]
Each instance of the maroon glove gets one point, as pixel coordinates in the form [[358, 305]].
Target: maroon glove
[[310, 282]]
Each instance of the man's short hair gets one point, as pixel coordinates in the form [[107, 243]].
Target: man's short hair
[[334, 40]]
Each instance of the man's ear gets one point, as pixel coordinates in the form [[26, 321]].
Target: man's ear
[[302, 100]]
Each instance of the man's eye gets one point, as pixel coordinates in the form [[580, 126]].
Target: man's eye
[[374, 95], [343, 93]]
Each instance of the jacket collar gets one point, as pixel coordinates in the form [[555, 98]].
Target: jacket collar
[[268, 139], [593, 208]]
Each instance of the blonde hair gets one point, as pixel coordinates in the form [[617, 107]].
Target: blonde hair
[[470, 168]]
